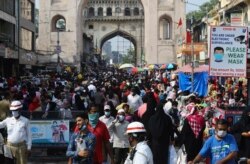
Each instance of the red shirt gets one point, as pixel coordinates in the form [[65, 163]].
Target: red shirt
[[102, 135]]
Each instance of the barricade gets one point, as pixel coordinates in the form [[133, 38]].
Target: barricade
[[50, 135]]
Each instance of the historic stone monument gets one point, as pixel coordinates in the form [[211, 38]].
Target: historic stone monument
[[68, 28]]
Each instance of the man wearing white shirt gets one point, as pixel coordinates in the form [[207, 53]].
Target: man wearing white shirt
[[19, 136], [91, 87], [134, 100], [140, 152], [121, 143]]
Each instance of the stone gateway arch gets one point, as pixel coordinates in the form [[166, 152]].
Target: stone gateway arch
[[152, 26]]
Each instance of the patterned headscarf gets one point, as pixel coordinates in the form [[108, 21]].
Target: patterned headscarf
[[196, 121]]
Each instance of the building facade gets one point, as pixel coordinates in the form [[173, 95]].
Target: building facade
[[225, 13], [17, 41], [152, 26]]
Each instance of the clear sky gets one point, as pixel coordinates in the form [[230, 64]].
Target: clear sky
[[37, 4], [192, 5]]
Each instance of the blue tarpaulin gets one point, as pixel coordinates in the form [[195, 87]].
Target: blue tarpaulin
[[200, 82]]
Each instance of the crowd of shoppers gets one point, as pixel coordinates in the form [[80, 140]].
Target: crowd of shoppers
[[112, 100]]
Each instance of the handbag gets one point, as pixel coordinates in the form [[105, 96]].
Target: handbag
[[182, 155]]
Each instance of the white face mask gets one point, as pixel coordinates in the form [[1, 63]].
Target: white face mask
[[121, 118], [221, 133], [15, 113]]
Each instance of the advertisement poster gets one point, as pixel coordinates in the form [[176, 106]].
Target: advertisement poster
[[228, 51], [49, 131]]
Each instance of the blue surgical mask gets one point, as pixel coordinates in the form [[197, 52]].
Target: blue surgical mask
[[107, 113], [93, 119], [218, 56], [15, 113]]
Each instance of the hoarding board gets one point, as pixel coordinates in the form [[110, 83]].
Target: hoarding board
[[49, 131], [228, 48]]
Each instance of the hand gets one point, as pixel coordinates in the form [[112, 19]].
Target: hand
[[115, 121], [220, 162], [83, 153], [190, 162], [28, 153]]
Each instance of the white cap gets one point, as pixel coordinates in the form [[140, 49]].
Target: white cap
[[15, 105], [121, 111], [106, 107], [135, 127], [167, 107]]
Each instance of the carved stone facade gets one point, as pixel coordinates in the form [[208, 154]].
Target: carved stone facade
[[150, 25]]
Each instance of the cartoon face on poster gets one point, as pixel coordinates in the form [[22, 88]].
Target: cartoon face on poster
[[55, 131], [228, 48]]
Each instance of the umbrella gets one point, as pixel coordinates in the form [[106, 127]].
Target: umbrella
[[153, 66], [163, 66], [126, 65], [136, 69], [171, 66]]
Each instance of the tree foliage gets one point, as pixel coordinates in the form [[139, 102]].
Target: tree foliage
[[130, 57], [203, 10]]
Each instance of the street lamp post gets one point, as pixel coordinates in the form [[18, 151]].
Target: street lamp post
[[192, 56], [58, 50], [58, 47]]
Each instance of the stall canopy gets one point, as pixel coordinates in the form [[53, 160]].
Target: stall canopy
[[200, 79]]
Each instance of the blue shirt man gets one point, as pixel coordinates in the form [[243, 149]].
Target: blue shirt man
[[82, 143], [220, 148]]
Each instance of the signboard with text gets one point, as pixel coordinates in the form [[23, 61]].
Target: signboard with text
[[49, 131], [228, 48]]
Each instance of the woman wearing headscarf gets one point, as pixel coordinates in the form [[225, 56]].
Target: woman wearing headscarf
[[192, 133], [241, 131], [161, 130], [150, 111]]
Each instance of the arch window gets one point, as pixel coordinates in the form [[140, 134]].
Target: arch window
[[127, 11], [109, 11], [100, 11], [118, 10], [165, 28], [136, 11], [58, 23], [91, 12]]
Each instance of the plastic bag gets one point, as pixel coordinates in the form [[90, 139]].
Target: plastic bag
[[182, 155]]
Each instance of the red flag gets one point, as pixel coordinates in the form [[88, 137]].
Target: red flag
[[188, 37], [179, 23]]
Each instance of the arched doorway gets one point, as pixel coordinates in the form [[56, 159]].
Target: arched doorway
[[113, 19], [118, 47]]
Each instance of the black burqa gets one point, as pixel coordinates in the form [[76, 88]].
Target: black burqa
[[150, 111], [161, 129], [243, 125]]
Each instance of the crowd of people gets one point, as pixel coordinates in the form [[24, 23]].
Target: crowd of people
[[126, 118]]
